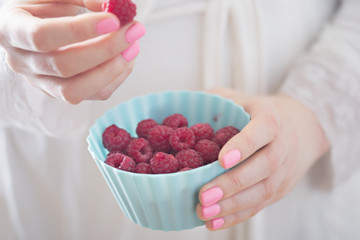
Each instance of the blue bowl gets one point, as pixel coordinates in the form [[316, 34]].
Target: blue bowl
[[164, 202]]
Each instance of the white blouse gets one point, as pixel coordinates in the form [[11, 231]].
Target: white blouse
[[50, 187]]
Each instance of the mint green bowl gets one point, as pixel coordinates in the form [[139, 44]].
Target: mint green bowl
[[164, 202]]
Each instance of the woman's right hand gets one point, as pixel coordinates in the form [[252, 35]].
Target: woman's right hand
[[72, 57]]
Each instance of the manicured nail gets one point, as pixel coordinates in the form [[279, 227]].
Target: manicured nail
[[211, 196], [217, 223], [107, 26], [231, 158], [211, 211], [135, 32], [131, 52]]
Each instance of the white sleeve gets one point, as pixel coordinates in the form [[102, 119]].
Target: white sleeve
[[327, 80], [26, 107]]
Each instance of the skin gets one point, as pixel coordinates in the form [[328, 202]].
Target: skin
[[278, 146], [49, 44]]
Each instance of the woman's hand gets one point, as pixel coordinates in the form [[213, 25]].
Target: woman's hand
[[70, 56], [271, 154]]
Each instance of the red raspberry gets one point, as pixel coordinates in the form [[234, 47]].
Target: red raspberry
[[110, 153], [224, 134], [143, 167], [115, 139], [176, 120], [185, 169], [159, 138], [164, 163], [140, 150], [144, 127], [189, 158], [120, 161], [125, 10], [208, 150], [202, 131], [182, 138]]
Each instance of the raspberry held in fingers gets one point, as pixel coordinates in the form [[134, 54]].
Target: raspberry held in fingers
[[125, 10]]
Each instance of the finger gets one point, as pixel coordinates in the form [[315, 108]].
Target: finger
[[249, 202], [107, 91], [258, 167], [52, 10], [44, 35], [75, 59], [83, 86], [93, 5], [262, 129], [221, 223], [247, 198]]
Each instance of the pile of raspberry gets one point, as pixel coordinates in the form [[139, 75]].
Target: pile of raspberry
[[167, 147]]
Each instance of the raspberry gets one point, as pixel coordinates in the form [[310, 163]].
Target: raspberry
[[202, 131], [144, 127], [182, 138], [224, 134], [159, 138], [115, 139], [189, 158], [125, 10], [176, 120], [208, 150], [185, 169], [164, 163], [120, 161], [143, 167], [110, 153], [140, 150]]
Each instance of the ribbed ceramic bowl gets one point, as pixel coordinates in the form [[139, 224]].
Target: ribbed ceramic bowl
[[163, 201]]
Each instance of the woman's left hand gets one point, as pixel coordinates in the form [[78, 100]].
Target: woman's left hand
[[270, 155]]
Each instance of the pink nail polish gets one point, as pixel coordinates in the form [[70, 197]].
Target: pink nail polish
[[217, 223], [135, 32], [231, 158], [211, 211], [131, 52], [107, 26], [211, 196]]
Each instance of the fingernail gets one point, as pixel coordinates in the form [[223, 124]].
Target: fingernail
[[231, 158], [131, 52], [217, 223], [211, 211], [135, 32], [107, 26], [211, 196]]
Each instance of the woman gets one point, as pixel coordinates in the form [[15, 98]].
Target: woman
[[293, 65]]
